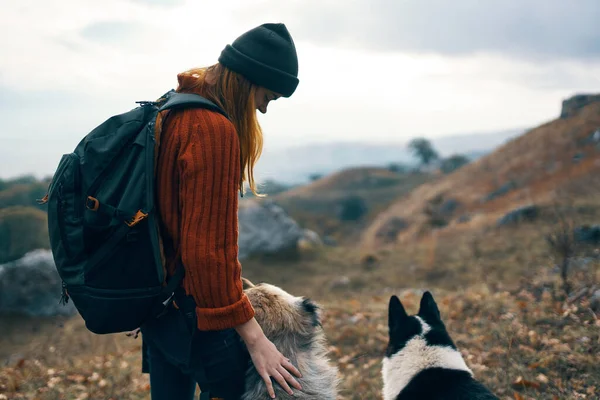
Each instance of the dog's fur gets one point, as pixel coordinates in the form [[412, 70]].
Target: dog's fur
[[421, 360], [293, 324]]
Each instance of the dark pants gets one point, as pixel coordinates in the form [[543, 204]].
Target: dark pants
[[180, 356]]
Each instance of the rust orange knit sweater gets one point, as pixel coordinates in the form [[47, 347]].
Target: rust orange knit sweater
[[198, 176]]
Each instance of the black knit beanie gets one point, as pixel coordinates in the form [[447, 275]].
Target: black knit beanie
[[266, 56]]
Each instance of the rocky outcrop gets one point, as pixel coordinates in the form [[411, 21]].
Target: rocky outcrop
[[265, 228], [31, 286], [501, 191], [522, 214], [572, 105]]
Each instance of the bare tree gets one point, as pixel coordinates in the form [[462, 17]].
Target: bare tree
[[561, 241]]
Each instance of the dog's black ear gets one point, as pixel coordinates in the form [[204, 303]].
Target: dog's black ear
[[428, 309], [396, 313], [312, 309]]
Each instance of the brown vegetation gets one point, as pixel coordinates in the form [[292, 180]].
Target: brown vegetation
[[321, 206], [560, 156]]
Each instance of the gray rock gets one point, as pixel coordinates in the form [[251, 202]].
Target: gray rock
[[448, 207], [501, 191], [265, 228], [309, 240], [518, 215], [588, 234], [31, 286]]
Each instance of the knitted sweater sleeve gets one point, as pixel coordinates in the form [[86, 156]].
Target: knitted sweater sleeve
[[209, 173]]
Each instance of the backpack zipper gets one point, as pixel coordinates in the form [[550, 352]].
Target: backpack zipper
[[60, 204], [64, 297]]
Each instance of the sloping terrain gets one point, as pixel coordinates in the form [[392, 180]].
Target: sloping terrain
[[557, 162], [342, 204]]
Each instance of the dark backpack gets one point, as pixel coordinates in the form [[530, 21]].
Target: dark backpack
[[102, 220]]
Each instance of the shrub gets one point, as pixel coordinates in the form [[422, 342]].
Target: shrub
[[22, 229], [315, 177], [561, 241], [453, 163], [23, 194], [352, 208]]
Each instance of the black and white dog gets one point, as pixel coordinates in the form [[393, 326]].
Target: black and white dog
[[421, 360]]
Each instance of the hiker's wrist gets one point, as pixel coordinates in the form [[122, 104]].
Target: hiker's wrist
[[250, 332]]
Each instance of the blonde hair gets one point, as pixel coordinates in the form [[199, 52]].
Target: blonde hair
[[234, 94]]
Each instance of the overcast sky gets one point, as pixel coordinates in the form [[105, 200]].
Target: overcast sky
[[370, 70]]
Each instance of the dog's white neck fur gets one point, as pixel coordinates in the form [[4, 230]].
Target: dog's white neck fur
[[416, 356]]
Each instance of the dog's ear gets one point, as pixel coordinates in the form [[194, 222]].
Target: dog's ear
[[246, 284], [396, 313], [312, 310], [428, 309]]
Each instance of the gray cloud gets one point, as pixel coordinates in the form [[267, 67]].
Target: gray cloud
[[533, 29]]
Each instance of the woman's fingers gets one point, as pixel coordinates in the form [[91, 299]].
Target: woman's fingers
[[265, 376], [288, 377], [281, 380], [287, 364]]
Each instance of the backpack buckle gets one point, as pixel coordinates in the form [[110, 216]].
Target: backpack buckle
[[139, 216], [92, 203]]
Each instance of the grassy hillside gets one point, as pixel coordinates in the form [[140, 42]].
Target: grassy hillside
[[557, 162], [520, 329], [327, 205], [500, 300]]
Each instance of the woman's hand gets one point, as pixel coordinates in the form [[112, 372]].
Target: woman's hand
[[269, 362]]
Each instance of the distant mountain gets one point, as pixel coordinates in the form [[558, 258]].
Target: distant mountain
[[554, 164], [296, 164]]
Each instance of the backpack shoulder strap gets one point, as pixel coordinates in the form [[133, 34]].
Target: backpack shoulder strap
[[189, 100]]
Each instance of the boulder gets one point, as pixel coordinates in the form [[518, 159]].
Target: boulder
[[309, 240], [31, 286], [265, 228], [518, 215]]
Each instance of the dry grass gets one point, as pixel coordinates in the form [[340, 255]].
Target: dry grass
[[498, 294], [316, 206], [557, 156], [498, 288]]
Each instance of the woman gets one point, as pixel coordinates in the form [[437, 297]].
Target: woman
[[203, 161]]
